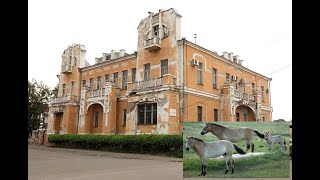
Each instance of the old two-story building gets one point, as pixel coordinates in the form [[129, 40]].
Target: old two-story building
[[167, 81]]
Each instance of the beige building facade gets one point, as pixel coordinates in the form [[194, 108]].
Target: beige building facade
[[166, 82]]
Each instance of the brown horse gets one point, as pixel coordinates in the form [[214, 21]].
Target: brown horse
[[233, 135], [211, 150]]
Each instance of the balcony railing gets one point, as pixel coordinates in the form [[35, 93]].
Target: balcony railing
[[66, 69], [96, 93], [157, 82], [243, 95], [64, 99], [152, 44]]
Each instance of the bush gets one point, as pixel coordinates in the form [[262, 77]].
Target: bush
[[170, 145]]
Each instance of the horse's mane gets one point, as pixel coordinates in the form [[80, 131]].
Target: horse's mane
[[217, 125], [198, 139]]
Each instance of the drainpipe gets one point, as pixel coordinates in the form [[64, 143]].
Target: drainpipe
[[183, 103], [270, 99], [79, 92]]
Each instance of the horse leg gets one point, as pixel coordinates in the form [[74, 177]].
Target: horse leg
[[226, 159], [204, 164], [248, 147], [252, 147], [232, 165]]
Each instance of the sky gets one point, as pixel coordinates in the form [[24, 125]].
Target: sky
[[260, 32]]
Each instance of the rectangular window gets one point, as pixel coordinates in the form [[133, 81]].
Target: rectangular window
[[124, 79], [106, 78], [98, 82], [214, 76], [91, 84], [147, 72], [262, 93], [253, 87], [134, 74], [124, 122], [216, 115], [199, 113], [164, 67], [95, 124], [72, 88], [244, 86], [199, 73], [147, 113], [227, 77], [63, 89], [84, 82], [115, 79]]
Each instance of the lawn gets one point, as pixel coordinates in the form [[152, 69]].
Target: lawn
[[274, 164]]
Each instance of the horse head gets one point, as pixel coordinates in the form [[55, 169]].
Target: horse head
[[206, 129], [189, 143]]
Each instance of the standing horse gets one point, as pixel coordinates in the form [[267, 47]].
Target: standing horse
[[275, 139], [233, 135], [211, 150]]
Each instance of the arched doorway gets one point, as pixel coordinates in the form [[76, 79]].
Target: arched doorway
[[94, 118], [245, 113]]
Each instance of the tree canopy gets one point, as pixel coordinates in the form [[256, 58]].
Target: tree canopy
[[39, 95]]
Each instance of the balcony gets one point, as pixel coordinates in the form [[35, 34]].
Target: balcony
[[96, 93], [66, 69], [243, 95], [64, 99], [152, 44], [150, 84]]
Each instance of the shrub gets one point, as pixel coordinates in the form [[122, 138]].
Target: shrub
[[170, 145]]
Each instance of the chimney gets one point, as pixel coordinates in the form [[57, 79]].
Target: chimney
[[122, 52], [104, 57], [231, 56], [225, 55], [96, 60], [236, 59], [241, 62], [112, 54]]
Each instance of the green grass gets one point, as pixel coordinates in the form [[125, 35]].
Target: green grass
[[274, 164]]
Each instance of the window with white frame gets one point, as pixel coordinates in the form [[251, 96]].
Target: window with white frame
[[91, 83], [98, 82], [106, 78], [124, 79], [72, 88], [214, 76], [147, 72], [63, 89], [115, 79], [134, 71], [164, 67], [199, 74]]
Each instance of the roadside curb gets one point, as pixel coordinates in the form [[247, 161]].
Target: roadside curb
[[107, 154]]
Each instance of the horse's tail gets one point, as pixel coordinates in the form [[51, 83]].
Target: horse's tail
[[240, 151], [259, 134]]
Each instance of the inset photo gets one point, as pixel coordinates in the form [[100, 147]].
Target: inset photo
[[236, 149]]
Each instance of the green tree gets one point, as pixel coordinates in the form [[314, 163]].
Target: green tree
[[55, 91], [38, 99]]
